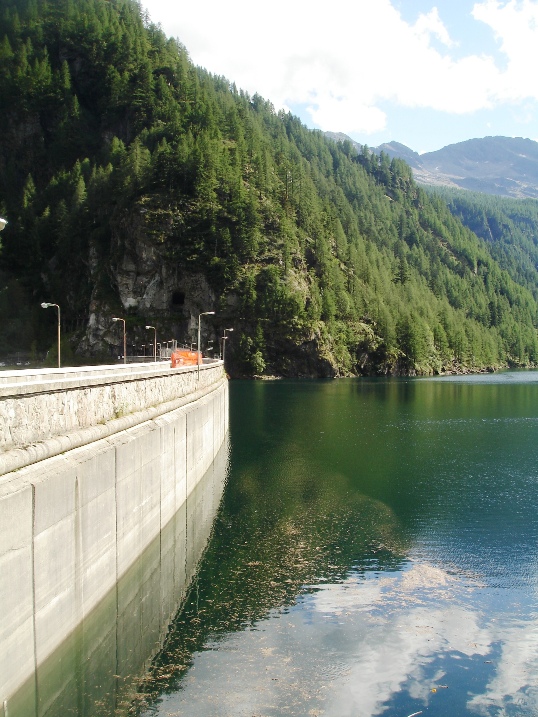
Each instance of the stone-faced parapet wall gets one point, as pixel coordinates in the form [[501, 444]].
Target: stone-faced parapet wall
[[44, 413]]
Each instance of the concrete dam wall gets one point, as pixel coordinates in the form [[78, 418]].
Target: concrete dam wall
[[96, 462]]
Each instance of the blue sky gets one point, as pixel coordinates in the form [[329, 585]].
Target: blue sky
[[423, 73]]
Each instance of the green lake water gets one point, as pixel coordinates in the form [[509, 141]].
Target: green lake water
[[374, 553], [359, 547]]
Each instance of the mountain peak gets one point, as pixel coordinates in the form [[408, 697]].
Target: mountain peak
[[399, 150], [507, 166]]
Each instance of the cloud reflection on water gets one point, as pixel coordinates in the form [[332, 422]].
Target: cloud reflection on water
[[379, 543], [357, 647], [421, 615]]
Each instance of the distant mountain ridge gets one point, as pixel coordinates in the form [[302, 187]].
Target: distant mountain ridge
[[505, 166]]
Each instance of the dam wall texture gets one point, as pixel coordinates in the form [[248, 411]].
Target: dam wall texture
[[95, 463]]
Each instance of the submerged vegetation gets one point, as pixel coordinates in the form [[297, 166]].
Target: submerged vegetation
[[125, 171]]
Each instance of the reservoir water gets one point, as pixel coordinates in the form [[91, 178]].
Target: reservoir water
[[374, 553], [363, 547]]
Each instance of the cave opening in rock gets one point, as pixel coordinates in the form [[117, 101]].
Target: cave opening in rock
[[178, 299]]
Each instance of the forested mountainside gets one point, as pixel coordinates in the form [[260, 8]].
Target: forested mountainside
[[138, 185], [510, 226]]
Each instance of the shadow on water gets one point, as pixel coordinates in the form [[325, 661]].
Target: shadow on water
[[97, 670]]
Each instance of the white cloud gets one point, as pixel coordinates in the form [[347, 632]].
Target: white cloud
[[431, 24], [346, 114], [515, 25], [344, 62]]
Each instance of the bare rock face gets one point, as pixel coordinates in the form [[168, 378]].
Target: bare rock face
[[97, 332], [145, 286]]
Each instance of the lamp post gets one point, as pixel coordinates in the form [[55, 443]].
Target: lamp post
[[46, 305], [204, 313], [154, 342], [115, 318], [224, 339]]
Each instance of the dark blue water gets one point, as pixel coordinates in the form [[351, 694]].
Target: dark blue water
[[375, 553]]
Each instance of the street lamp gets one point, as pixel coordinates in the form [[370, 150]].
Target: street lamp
[[224, 339], [204, 313], [46, 305], [115, 318], [154, 342], [3, 223]]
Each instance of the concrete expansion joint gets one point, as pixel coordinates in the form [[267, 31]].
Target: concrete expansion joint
[[20, 457]]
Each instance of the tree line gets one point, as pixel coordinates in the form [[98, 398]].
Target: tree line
[[327, 261]]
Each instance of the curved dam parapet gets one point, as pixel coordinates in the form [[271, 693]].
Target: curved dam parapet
[[95, 463], [49, 411]]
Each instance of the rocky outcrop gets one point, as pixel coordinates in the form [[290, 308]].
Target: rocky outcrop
[[142, 283]]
